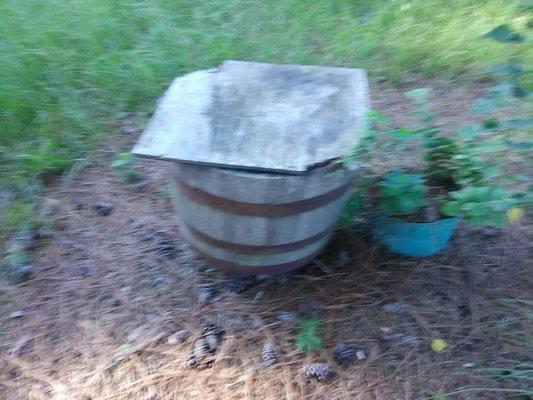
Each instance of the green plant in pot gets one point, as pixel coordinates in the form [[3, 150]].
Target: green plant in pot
[[419, 210], [409, 223], [406, 176], [421, 183], [430, 181]]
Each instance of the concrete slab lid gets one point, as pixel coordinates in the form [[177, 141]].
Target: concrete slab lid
[[250, 115]]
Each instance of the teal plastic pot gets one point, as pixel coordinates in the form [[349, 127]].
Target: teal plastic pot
[[414, 239]]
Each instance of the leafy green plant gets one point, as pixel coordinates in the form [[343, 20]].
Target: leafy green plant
[[509, 87], [451, 162], [479, 206], [125, 166], [466, 171], [309, 331], [422, 112], [363, 151], [470, 163], [440, 158], [353, 205], [504, 34], [16, 262], [402, 193], [483, 157]]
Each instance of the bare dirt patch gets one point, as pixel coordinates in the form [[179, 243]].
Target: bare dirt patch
[[109, 290]]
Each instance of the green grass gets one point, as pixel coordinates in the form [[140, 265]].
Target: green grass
[[71, 67]]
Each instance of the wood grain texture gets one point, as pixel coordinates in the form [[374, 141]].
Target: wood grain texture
[[259, 241], [259, 209]]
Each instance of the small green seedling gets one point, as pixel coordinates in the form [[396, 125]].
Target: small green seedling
[[309, 331], [17, 261], [125, 166]]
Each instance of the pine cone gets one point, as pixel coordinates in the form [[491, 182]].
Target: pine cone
[[269, 355], [200, 349], [211, 329], [286, 316], [163, 245], [396, 308], [206, 292], [212, 334], [282, 278], [190, 362], [212, 341], [206, 344], [178, 337], [345, 354], [103, 209], [239, 284], [319, 371]]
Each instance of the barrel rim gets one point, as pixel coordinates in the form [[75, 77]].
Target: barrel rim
[[327, 167]]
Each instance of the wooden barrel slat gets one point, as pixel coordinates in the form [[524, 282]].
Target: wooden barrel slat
[[260, 209], [250, 270], [252, 223], [250, 230], [261, 249], [262, 187], [256, 261]]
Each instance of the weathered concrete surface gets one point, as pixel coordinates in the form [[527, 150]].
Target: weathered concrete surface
[[259, 116]]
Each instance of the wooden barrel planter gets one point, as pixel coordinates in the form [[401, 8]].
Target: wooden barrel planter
[[256, 222], [252, 146]]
